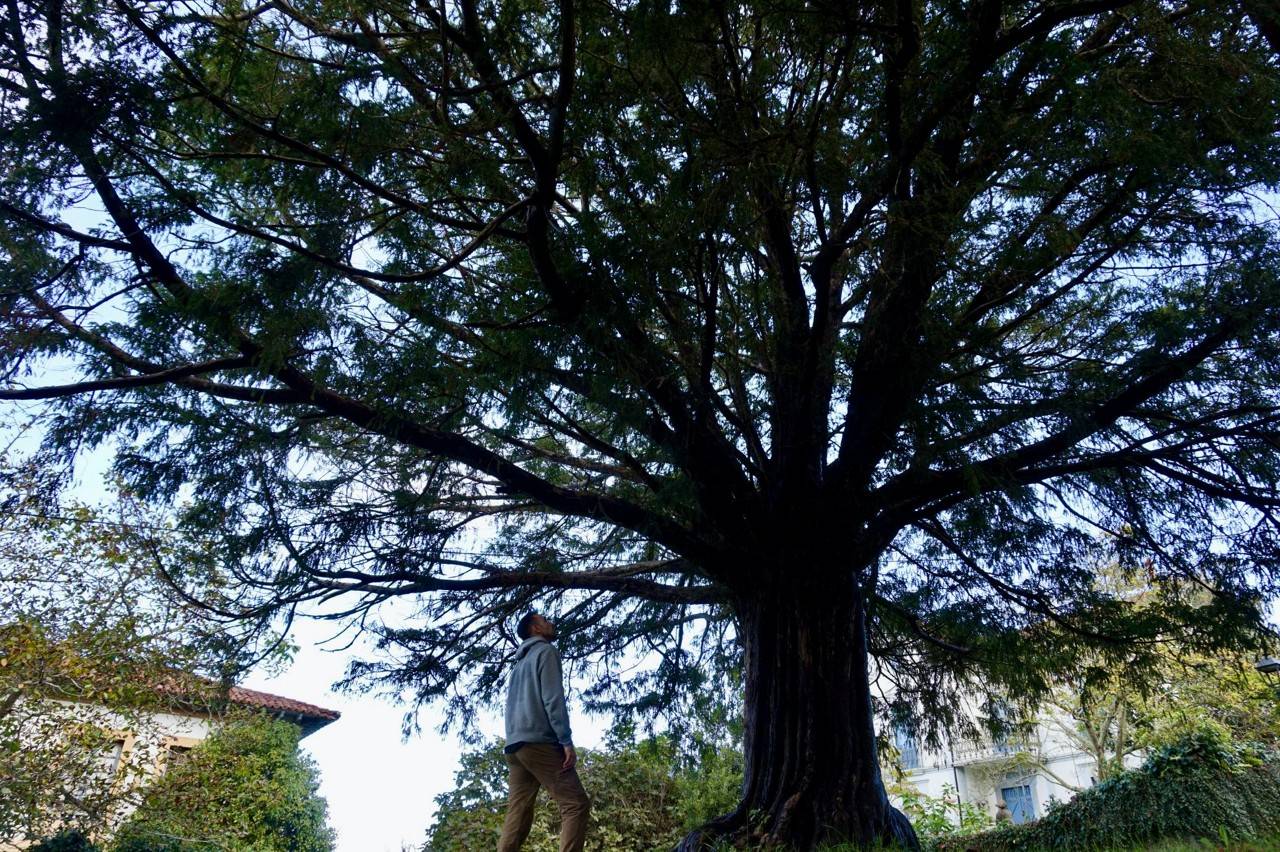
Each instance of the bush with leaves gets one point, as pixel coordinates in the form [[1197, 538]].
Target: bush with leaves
[[1203, 786], [245, 787], [72, 840], [933, 817], [644, 796]]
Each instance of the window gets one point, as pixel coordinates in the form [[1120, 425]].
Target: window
[[104, 764], [1012, 734], [908, 749], [111, 757], [1020, 802], [176, 751], [177, 755]]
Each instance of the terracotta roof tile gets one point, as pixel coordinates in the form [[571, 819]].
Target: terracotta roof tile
[[267, 701]]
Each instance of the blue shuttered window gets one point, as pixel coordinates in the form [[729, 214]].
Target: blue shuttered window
[[908, 750], [1021, 805]]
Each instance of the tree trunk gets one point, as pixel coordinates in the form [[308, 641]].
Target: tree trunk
[[812, 774]]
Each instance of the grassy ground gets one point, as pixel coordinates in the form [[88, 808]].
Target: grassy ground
[[1271, 845], [1213, 846]]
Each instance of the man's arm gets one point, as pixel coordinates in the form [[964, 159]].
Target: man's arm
[[551, 688]]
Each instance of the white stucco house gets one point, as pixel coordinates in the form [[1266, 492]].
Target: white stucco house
[[987, 771], [141, 745], [166, 736]]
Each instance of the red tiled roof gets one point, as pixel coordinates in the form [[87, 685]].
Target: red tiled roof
[[185, 688], [267, 701]]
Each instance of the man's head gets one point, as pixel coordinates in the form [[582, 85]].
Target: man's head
[[533, 624]]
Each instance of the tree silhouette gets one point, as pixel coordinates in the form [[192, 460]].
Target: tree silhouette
[[848, 332]]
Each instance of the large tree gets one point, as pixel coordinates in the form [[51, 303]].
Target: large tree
[[847, 331]]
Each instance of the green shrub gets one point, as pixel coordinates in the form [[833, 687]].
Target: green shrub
[[66, 841], [245, 787], [933, 817], [1199, 787]]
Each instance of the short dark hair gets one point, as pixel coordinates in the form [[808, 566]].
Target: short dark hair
[[525, 627]]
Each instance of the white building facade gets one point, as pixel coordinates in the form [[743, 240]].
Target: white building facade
[[1025, 771], [141, 745]]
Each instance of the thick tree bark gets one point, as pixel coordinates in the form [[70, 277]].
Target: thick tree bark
[[812, 773]]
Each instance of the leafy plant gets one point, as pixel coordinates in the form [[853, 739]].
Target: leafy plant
[[935, 817], [1201, 787], [72, 840], [245, 787]]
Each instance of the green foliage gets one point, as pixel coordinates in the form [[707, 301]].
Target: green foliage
[[1207, 748], [1265, 844], [1200, 787], [66, 841], [1125, 701], [245, 787], [936, 817], [642, 798], [1222, 691], [737, 314], [92, 642], [680, 309]]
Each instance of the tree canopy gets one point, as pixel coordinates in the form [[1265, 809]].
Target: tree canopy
[[839, 330]]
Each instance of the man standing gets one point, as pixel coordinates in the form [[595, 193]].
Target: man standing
[[539, 742]]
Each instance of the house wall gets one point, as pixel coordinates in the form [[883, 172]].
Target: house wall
[[146, 742], [150, 734], [978, 772]]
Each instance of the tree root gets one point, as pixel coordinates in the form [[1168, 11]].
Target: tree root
[[732, 826], [900, 831], [735, 829]]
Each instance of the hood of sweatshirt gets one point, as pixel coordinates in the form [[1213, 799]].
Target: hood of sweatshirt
[[527, 645]]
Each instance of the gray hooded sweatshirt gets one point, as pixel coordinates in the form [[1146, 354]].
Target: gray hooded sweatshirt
[[536, 712]]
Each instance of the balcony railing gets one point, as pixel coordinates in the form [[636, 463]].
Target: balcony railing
[[992, 750]]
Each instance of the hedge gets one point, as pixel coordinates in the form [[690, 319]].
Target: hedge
[[1197, 788]]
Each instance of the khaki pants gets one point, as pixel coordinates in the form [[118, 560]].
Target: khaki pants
[[539, 765]]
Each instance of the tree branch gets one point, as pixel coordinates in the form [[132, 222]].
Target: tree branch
[[920, 486], [170, 375]]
